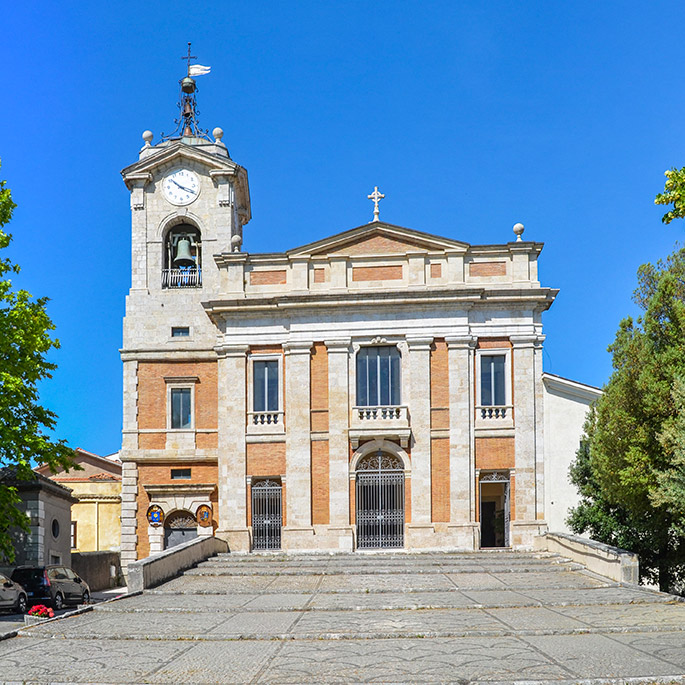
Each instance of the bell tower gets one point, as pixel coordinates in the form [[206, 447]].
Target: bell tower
[[189, 201]]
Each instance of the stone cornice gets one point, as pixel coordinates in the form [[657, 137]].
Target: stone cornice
[[205, 489], [156, 354], [464, 297]]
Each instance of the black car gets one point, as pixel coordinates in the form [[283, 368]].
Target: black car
[[55, 585]]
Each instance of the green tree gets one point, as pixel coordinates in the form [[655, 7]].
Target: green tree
[[24, 343], [633, 433], [674, 194]]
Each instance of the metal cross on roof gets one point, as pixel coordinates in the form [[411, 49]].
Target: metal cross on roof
[[189, 57], [376, 197]]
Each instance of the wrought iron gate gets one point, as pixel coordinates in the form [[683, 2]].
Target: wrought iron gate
[[266, 514], [380, 502]]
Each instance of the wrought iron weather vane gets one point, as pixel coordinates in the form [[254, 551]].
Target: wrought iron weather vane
[[187, 125]]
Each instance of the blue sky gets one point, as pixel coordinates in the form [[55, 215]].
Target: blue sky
[[470, 116]]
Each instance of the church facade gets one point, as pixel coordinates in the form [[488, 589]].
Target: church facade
[[381, 388]]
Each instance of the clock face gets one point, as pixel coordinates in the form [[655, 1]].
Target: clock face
[[181, 187]]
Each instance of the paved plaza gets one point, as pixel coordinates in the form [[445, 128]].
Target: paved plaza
[[496, 617]]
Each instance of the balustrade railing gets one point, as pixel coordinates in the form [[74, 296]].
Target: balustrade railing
[[383, 413], [262, 419], [494, 413], [181, 278]]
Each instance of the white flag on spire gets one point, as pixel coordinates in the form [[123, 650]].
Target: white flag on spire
[[198, 70]]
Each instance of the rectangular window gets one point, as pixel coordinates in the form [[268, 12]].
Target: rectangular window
[[180, 332], [492, 380], [378, 376], [73, 535], [180, 474], [180, 408], [265, 395]]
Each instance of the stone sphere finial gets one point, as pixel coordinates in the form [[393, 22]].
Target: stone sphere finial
[[218, 134], [518, 229], [147, 137]]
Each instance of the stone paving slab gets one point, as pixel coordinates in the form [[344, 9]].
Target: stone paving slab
[[173, 603], [386, 621]]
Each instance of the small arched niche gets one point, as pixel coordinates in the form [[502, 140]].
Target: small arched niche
[[182, 263]]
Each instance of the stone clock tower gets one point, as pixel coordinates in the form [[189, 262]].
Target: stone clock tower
[[189, 201]]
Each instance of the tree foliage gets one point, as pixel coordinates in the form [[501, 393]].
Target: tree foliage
[[25, 341], [630, 468], [674, 194]]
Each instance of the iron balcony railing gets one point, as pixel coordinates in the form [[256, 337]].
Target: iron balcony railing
[[181, 278]]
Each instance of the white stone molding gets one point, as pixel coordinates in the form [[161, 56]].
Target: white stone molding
[[232, 400], [460, 356], [338, 352], [419, 406], [297, 433], [179, 216]]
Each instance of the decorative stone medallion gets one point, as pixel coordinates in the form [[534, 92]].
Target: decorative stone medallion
[[155, 515], [204, 515]]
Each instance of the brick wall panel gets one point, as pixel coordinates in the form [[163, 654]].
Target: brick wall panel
[[440, 480], [377, 273], [275, 277], [487, 269], [320, 482], [494, 453], [265, 459]]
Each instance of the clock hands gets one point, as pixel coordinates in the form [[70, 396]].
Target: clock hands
[[188, 190]]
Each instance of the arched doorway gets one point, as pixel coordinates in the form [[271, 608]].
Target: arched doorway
[[180, 526], [380, 501]]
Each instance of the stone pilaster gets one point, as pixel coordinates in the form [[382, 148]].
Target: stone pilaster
[[129, 440], [524, 527], [129, 511], [338, 440], [462, 457], [299, 531], [420, 411], [232, 369], [539, 432]]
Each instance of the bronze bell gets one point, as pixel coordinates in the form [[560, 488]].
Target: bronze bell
[[188, 85], [183, 256]]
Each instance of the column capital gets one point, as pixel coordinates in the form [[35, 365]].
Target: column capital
[[338, 345], [231, 350], [460, 342], [298, 346], [524, 341], [419, 343]]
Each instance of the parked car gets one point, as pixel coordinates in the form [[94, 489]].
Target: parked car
[[56, 585], [12, 595]]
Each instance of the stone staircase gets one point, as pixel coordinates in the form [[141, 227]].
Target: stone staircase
[[500, 616]]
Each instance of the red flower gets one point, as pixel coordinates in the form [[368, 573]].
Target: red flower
[[42, 611]]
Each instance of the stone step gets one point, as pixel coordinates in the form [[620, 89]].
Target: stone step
[[334, 569], [153, 601], [379, 583], [383, 624]]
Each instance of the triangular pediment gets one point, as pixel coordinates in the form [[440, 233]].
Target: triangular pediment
[[376, 239], [179, 153]]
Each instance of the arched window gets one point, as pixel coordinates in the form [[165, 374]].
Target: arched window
[[182, 266], [378, 376]]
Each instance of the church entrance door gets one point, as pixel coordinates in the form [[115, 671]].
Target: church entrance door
[[494, 509], [380, 502], [266, 515], [179, 527]]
